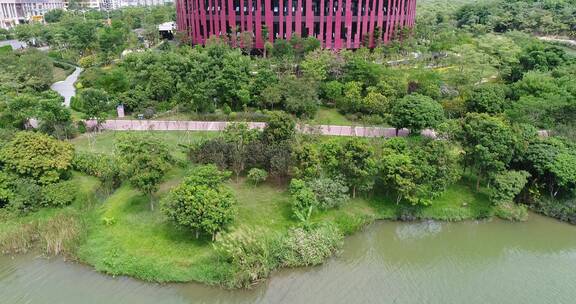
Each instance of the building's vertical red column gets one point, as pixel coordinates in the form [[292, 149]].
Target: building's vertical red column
[[242, 25], [231, 15], [413, 14], [203, 21], [196, 21], [348, 23], [322, 24], [372, 22], [329, 24], [401, 20], [258, 24], [309, 18], [222, 17], [358, 25], [338, 26], [216, 16], [210, 19], [380, 18], [280, 19], [269, 20], [249, 17], [390, 25], [298, 29], [289, 20], [189, 19], [365, 19]]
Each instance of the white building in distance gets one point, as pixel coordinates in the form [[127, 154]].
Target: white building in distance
[[13, 12]]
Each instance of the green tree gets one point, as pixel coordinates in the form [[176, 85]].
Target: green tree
[[200, 207], [95, 104], [489, 144], [487, 98], [357, 165], [144, 162], [239, 136], [507, 185], [280, 127], [416, 112], [37, 156]]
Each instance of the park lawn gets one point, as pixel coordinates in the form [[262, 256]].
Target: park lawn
[[125, 237], [175, 140], [331, 116]]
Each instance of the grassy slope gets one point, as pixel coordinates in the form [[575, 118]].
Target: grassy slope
[[125, 238], [330, 116], [60, 74], [20, 233]]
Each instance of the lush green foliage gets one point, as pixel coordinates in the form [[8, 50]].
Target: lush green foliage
[[201, 203], [257, 176], [144, 161], [37, 156]]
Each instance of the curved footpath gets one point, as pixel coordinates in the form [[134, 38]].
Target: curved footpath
[[66, 87]]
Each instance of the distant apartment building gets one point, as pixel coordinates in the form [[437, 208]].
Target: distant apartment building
[[13, 12], [115, 4]]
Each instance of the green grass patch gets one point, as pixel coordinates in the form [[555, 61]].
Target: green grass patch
[[176, 140], [124, 237], [59, 74], [331, 116], [52, 230]]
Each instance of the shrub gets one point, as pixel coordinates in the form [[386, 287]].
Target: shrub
[[257, 176], [37, 156], [201, 203], [58, 194], [304, 247], [511, 211], [214, 151], [329, 192], [250, 255], [76, 104], [102, 166], [562, 209], [27, 196], [303, 199]]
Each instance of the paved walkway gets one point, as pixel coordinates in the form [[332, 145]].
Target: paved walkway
[[66, 87], [172, 125]]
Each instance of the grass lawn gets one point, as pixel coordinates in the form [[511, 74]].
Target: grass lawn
[[60, 74], [123, 236], [104, 142], [331, 116]]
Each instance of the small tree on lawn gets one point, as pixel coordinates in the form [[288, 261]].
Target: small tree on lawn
[[357, 165], [416, 112], [144, 162], [239, 136], [201, 205], [257, 176]]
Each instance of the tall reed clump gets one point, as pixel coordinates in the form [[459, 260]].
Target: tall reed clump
[[57, 235], [61, 234], [253, 255], [18, 239]]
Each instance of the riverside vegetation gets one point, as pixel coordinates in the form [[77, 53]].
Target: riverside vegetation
[[229, 208]]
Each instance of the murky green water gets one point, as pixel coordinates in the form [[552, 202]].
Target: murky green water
[[485, 262]]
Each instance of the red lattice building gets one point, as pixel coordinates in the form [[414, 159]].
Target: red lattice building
[[336, 23]]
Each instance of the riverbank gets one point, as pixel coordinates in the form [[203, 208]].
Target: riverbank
[[122, 236], [388, 262]]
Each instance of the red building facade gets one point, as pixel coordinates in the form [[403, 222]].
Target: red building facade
[[336, 23]]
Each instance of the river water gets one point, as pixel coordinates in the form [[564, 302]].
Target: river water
[[429, 262]]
